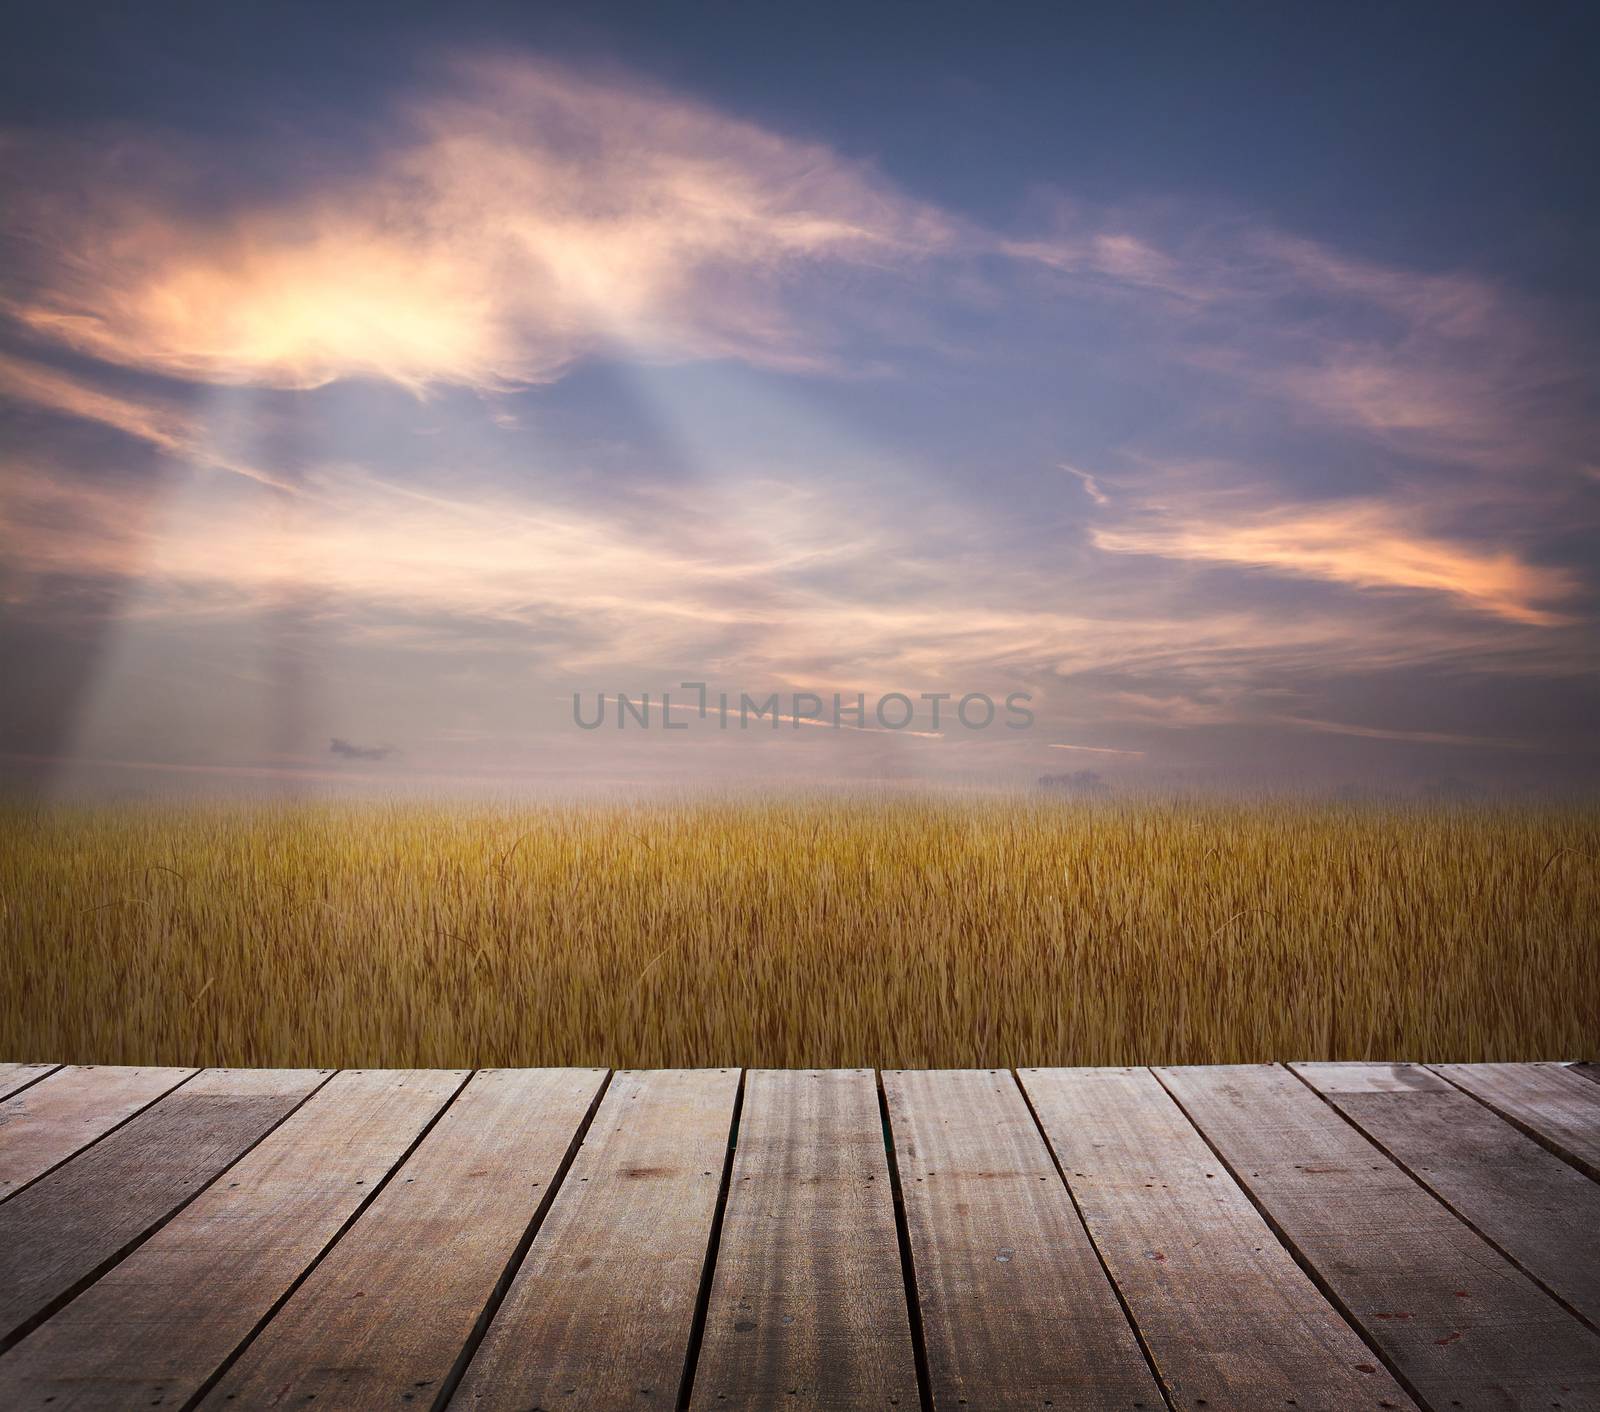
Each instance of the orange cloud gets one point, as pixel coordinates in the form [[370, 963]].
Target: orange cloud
[[515, 224], [1363, 543]]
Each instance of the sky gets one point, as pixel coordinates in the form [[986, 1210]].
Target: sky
[[1218, 380]]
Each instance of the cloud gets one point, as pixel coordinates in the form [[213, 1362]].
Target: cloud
[[1111, 260], [478, 593], [517, 218], [165, 428], [1091, 486], [1200, 706], [1363, 543], [1433, 363], [756, 578], [57, 392]]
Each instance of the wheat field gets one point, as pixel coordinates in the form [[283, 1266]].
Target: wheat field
[[805, 932]]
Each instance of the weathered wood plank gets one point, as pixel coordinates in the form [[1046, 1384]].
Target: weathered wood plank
[[1229, 1319], [1461, 1325], [1549, 1102], [385, 1317], [16, 1077], [1001, 1261], [49, 1121], [600, 1313], [808, 1303], [1536, 1208], [67, 1226], [156, 1326]]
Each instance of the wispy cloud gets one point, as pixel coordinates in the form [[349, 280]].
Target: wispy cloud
[[1362, 543], [519, 217], [1433, 363], [1091, 485], [165, 428]]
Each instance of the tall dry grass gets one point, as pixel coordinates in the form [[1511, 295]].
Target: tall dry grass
[[797, 933]]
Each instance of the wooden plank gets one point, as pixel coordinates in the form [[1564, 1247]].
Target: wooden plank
[[600, 1313], [1460, 1324], [62, 1114], [1538, 1210], [1549, 1102], [16, 1077], [808, 1302], [67, 1226], [1001, 1260], [1229, 1319], [154, 1328], [386, 1316]]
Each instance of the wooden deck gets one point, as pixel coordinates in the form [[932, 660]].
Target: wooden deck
[[1326, 1237]]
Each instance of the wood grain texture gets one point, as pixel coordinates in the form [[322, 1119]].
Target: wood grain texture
[[88, 1212], [155, 1327], [1549, 1102], [1001, 1260], [49, 1121], [1539, 1210], [1460, 1324], [600, 1313], [16, 1077], [1229, 1319], [808, 1303], [384, 1318]]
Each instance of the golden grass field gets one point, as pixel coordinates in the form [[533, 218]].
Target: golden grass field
[[803, 933]]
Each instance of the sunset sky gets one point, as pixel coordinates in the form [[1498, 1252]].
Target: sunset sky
[[1223, 377]]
